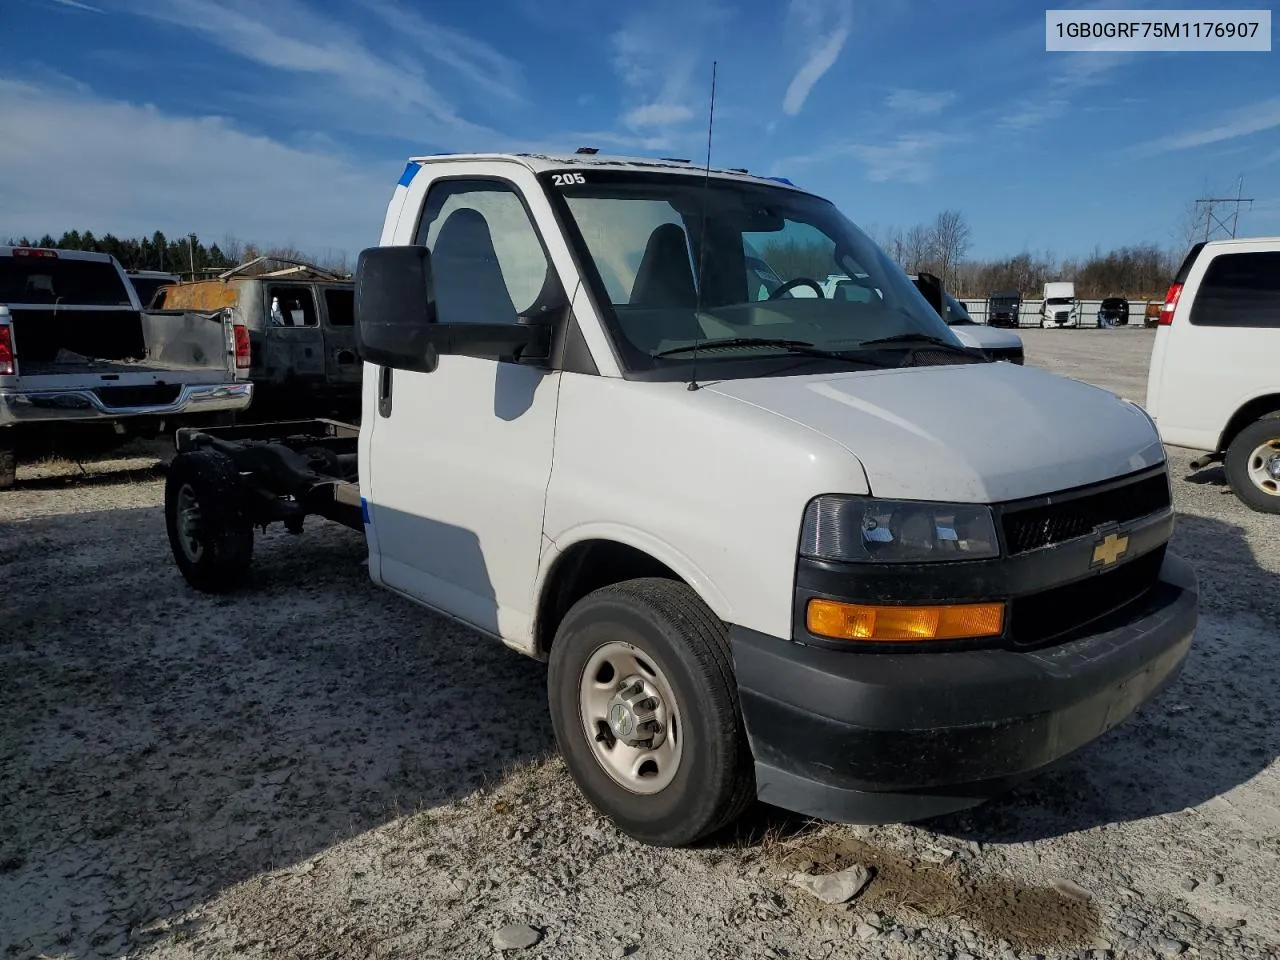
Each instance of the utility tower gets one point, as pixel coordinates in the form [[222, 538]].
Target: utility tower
[[1226, 224]]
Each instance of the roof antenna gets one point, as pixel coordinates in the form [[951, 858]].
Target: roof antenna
[[702, 233]]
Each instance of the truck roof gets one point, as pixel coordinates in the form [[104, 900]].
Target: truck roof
[[543, 162], [1243, 241], [62, 254]]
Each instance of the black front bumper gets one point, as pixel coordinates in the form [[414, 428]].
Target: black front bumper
[[893, 737]]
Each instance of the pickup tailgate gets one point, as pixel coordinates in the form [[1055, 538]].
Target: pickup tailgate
[[121, 348]]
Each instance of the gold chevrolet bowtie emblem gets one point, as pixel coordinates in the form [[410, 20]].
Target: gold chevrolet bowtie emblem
[[1110, 549]]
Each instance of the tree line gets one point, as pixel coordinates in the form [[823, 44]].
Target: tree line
[[941, 247], [186, 256]]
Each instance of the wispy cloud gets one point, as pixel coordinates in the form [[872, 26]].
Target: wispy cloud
[[77, 5], [918, 102], [659, 57], [657, 115], [825, 26], [292, 37], [906, 158], [473, 60], [1080, 72], [1029, 113], [175, 173], [1241, 122]]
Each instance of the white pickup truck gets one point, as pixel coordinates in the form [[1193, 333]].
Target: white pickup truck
[[806, 550], [82, 364]]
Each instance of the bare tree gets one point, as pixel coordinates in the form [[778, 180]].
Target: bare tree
[[232, 248], [950, 237], [917, 248]]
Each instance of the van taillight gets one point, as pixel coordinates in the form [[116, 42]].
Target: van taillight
[[7, 367], [242, 346], [1170, 304]]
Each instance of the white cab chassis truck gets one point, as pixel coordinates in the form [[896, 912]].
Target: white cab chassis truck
[[772, 546]]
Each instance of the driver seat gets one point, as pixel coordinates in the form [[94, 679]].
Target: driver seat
[[665, 278]]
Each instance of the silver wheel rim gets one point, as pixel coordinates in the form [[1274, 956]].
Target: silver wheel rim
[[1264, 467], [630, 718], [189, 524]]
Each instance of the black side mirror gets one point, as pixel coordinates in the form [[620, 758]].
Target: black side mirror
[[397, 324], [931, 288], [395, 308]]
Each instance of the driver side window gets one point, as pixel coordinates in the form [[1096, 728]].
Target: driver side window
[[488, 265]]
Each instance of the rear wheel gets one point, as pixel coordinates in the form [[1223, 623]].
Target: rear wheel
[[209, 530], [645, 710], [1252, 464]]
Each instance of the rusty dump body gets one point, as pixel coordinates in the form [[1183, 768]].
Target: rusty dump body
[[301, 335]]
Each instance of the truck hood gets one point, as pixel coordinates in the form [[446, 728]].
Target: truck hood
[[979, 433], [986, 338]]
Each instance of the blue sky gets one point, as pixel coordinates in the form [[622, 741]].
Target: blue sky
[[288, 121]]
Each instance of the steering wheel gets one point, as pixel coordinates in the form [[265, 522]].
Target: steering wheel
[[798, 282]]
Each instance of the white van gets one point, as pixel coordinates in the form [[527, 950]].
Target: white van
[[1060, 308], [1214, 383]]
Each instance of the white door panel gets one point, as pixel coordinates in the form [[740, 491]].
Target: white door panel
[[459, 518], [460, 457]]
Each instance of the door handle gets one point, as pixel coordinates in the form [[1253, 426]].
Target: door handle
[[384, 392]]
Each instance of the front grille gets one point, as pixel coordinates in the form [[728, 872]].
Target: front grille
[[1043, 525], [1061, 315], [149, 396], [1043, 616]]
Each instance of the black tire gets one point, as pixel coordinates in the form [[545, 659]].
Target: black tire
[[8, 461], [222, 531], [1237, 458], [714, 780]]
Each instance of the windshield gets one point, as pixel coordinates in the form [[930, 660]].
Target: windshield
[[64, 282], [774, 263], [1059, 301]]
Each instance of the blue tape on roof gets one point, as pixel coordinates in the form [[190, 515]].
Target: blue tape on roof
[[783, 180], [410, 171]]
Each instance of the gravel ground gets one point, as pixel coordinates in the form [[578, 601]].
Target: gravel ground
[[315, 768]]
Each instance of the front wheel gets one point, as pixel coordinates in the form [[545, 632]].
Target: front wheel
[[1252, 464], [209, 530], [645, 709]]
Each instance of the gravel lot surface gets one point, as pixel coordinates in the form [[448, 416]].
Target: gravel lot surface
[[314, 768]]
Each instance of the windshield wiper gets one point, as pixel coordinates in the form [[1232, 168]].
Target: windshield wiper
[[914, 338], [802, 347]]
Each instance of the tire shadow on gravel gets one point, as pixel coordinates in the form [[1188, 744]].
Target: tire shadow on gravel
[[158, 745], [1213, 730]]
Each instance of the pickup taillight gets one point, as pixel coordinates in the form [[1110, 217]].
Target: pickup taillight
[[1170, 304], [241, 333], [7, 365]]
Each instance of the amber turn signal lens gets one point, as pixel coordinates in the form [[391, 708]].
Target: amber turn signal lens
[[857, 621]]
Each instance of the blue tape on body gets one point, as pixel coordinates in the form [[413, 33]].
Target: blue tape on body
[[364, 510], [410, 171]]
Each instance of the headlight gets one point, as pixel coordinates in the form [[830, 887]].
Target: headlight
[[896, 531]]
